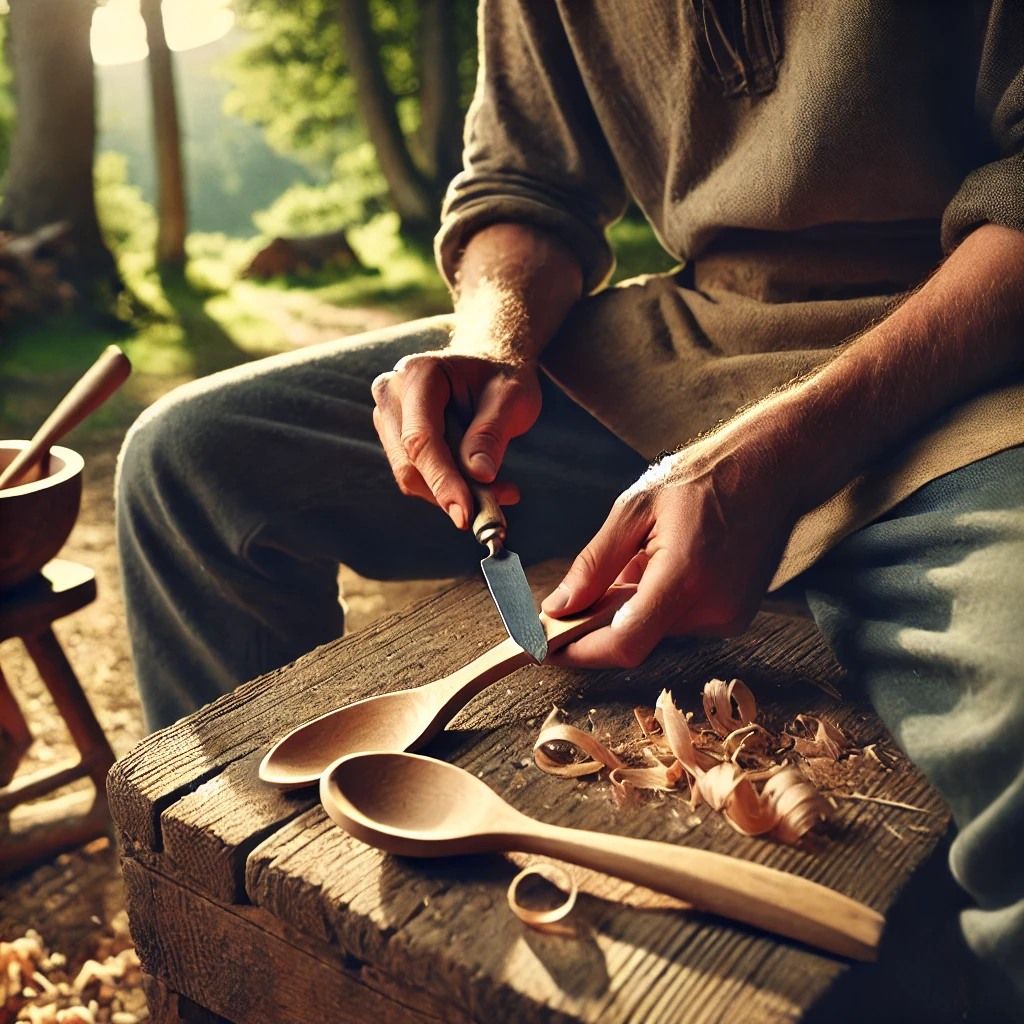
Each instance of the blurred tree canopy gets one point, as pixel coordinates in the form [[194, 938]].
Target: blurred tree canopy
[[370, 92]]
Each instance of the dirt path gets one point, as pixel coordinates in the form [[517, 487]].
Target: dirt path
[[76, 899]]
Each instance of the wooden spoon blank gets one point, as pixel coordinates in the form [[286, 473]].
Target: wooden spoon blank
[[408, 719]]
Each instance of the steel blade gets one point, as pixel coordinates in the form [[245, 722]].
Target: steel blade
[[514, 600]]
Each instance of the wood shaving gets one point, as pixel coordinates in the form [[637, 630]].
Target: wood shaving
[[761, 782], [551, 920], [728, 706], [883, 801], [558, 744], [789, 806], [36, 986], [818, 737]]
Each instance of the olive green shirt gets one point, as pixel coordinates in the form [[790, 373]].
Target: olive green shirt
[[806, 161]]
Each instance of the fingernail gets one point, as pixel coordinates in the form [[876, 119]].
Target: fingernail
[[623, 615], [557, 599], [482, 464], [458, 516]]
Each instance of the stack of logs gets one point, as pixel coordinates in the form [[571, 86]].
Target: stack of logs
[[34, 272]]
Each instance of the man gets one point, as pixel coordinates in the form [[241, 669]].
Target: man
[[830, 172]]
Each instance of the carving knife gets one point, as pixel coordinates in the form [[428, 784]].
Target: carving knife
[[501, 568]]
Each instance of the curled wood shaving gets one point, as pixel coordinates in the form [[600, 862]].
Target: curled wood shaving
[[648, 723], [751, 740], [728, 706], [757, 797], [677, 732], [818, 737], [556, 740], [797, 804], [627, 781], [545, 920]]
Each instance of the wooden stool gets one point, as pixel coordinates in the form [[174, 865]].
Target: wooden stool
[[249, 904], [28, 612]]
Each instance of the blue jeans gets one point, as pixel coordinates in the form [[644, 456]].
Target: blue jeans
[[925, 608], [240, 494]]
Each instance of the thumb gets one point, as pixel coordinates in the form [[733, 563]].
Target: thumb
[[505, 410], [598, 565]]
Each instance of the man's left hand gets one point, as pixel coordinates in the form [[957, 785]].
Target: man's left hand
[[701, 533]]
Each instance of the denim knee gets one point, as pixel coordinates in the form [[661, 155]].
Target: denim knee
[[167, 469]]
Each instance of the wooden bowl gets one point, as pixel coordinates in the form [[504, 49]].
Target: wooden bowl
[[36, 516]]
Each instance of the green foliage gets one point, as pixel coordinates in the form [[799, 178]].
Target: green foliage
[[230, 169], [342, 202], [292, 79], [637, 249], [127, 220], [6, 99]]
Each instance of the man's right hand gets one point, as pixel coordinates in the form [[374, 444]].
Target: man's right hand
[[515, 284], [503, 399]]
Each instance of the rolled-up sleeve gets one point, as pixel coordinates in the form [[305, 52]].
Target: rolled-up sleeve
[[534, 152], [993, 193]]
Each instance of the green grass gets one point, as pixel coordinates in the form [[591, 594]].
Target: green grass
[[186, 328], [637, 251]]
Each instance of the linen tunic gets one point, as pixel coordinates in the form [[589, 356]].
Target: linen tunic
[[806, 162]]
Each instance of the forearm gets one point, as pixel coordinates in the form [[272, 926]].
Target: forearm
[[514, 286], [959, 333]]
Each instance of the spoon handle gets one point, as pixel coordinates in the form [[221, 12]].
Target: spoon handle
[[728, 886], [459, 688], [95, 386]]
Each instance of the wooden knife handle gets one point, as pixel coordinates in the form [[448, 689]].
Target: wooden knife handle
[[489, 522]]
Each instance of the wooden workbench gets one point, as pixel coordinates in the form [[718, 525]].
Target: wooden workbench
[[250, 905]]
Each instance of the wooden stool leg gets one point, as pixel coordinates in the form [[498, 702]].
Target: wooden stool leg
[[67, 694], [15, 737], [169, 1007]]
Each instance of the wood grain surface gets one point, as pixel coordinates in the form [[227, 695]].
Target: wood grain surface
[[201, 831]]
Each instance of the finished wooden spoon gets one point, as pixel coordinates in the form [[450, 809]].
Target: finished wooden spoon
[[416, 806], [407, 719]]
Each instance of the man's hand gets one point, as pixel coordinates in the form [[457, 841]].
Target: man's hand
[[409, 417], [700, 533], [515, 285], [703, 531]]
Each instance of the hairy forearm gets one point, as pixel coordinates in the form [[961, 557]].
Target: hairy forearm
[[514, 286], [958, 334]]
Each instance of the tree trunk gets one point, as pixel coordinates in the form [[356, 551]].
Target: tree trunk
[[410, 193], [170, 176], [50, 173], [441, 118]]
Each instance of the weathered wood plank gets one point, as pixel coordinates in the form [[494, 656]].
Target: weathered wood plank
[[442, 928], [423, 642], [169, 1007], [210, 830], [423, 920], [245, 966]]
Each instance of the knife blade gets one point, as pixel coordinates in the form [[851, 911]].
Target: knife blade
[[502, 569]]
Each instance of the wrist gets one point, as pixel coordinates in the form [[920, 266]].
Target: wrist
[[514, 286], [812, 434], [764, 454], [495, 323]]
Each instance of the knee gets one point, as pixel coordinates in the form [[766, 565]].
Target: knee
[[165, 454]]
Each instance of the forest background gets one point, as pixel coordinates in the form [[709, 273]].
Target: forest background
[[174, 142]]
